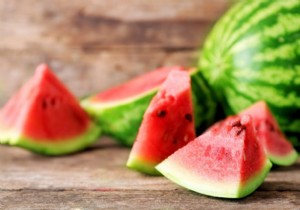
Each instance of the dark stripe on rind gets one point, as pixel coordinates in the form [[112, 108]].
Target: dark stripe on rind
[[267, 21], [238, 23], [206, 103]]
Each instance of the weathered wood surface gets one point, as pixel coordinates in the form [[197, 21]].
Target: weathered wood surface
[[98, 179], [94, 44]]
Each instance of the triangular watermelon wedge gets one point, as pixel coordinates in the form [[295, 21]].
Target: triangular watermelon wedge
[[43, 116], [279, 150], [226, 161], [119, 110], [168, 124]]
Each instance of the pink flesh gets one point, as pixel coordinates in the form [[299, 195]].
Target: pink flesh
[[224, 153], [168, 122], [44, 109], [136, 86], [268, 130]]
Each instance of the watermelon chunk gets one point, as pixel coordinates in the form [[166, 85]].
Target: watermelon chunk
[[168, 124], [119, 110], [226, 161], [279, 150], [43, 116]]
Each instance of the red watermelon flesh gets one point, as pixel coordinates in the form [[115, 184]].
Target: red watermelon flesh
[[167, 124], [141, 84], [44, 111], [226, 161], [279, 150]]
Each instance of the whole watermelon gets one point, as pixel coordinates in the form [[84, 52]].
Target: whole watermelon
[[253, 53]]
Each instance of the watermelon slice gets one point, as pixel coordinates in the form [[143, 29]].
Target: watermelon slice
[[279, 150], [226, 161], [46, 118], [167, 124], [119, 110]]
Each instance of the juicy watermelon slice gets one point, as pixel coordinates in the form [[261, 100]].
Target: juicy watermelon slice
[[46, 118], [167, 124], [279, 150], [119, 110], [226, 161]]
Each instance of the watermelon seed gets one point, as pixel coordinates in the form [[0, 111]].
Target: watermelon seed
[[53, 101], [270, 125], [188, 117], [44, 104], [240, 130], [161, 113], [236, 123]]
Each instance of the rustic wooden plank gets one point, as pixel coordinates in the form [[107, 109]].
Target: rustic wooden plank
[[102, 167], [90, 24], [86, 42], [141, 199], [85, 73]]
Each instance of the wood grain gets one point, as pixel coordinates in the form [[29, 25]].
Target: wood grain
[[98, 179], [95, 44]]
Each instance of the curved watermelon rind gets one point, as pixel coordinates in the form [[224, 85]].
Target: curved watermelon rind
[[252, 54], [287, 160], [54, 148], [119, 119], [183, 177], [122, 119], [138, 164]]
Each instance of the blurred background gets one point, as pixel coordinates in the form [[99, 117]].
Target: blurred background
[[94, 44]]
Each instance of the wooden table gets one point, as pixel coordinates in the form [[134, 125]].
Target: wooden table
[[98, 179], [92, 45]]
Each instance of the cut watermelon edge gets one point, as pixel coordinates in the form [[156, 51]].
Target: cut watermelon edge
[[140, 164], [90, 104], [57, 147], [286, 160], [183, 177]]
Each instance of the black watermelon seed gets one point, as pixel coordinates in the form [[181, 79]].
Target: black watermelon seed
[[188, 117], [161, 113]]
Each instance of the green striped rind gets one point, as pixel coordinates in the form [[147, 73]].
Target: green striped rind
[[286, 160], [182, 176], [122, 119], [50, 147], [252, 54]]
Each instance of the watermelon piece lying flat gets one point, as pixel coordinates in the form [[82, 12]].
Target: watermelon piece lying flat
[[226, 161], [46, 118], [167, 124], [278, 149], [119, 111]]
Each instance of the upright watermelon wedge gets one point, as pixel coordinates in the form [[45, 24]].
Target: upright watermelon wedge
[[278, 149], [46, 118], [168, 124], [226, 161], [119, 110]]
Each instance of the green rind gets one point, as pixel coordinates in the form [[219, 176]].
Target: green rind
[[252, 54], [286, 160], [122, 119], [183, 177], [48, 147], [142, 165]]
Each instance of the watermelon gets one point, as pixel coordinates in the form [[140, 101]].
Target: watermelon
[[252, 54], [44, 117], [168, 124], [119, 110], [278, 149], [226, 161]]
